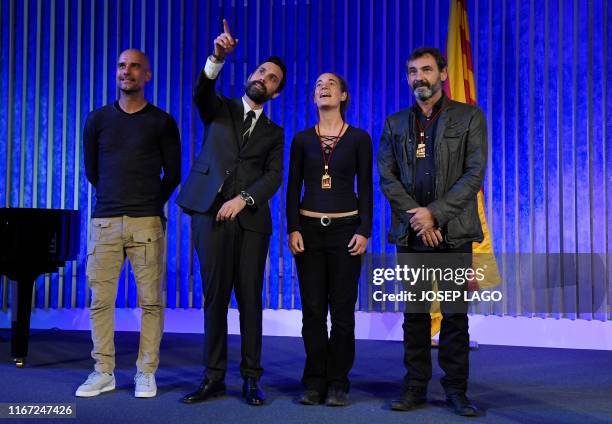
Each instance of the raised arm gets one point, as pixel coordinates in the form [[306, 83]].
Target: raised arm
[[204, 96]]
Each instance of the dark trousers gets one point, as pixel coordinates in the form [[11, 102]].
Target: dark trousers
[[230, 257], [453, 347], [328, 277]]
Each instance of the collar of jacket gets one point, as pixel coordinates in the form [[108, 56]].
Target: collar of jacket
[[237, 111]]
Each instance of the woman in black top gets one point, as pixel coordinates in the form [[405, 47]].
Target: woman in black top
[[328, 232]]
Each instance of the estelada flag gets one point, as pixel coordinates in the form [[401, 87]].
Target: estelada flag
[[460, 87]]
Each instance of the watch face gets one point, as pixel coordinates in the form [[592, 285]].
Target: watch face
[[248, 199]]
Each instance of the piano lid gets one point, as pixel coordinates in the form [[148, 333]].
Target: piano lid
[[39, 235]]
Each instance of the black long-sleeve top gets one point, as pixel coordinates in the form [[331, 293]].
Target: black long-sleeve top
[[351, 161], [125, 154]]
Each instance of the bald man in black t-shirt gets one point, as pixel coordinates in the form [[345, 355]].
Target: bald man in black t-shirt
[[128, 146]]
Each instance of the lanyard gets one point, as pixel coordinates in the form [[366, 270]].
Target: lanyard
[[327, 159]]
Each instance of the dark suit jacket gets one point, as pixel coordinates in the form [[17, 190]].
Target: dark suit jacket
[[257, 167], [461, 157]]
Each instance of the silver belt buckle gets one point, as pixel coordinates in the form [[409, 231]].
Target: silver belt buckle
[[325, 221]]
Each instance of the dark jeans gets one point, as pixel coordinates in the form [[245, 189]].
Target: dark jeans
[[230, 257], [328, 277], [453, 348]]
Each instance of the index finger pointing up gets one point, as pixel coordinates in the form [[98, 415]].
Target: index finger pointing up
[[226, 28]]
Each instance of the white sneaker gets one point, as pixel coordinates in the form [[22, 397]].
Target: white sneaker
[[96, 383], [145, 385]]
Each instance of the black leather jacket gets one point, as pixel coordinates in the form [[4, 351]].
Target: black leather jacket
[[460, 154]]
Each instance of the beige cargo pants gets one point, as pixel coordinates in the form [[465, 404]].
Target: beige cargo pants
[[110, 240]]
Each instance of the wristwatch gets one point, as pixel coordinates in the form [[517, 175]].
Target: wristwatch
[[217, 58], [247, 198]]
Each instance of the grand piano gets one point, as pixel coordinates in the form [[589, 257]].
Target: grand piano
[[33, 242]]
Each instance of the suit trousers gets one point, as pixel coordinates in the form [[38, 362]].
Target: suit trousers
[[453, 346], [328, 278], [230, 258]]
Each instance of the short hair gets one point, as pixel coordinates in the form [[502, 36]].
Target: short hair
[[433, 51], [278, 62], [142, 54]]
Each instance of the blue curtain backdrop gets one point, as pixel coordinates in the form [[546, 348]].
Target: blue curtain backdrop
[[541, 71]]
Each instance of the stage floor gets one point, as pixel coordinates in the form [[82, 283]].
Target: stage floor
[[511, 384]]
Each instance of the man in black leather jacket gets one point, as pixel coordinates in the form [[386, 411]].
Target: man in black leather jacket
[[431, 162]]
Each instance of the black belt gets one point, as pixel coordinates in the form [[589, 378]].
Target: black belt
[[326, 221]]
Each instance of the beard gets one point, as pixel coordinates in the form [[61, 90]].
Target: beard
[[257, 92], [130, 89], [423, 90]]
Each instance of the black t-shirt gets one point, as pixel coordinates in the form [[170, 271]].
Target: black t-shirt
[[350, 162], [125, 156]]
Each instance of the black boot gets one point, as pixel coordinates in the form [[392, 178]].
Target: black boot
[[252, 392], [337, 397], [411, 398], [461, 405], [311, 397]]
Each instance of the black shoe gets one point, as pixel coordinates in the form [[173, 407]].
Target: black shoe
[[208, 389], [412, 398], [461, 405], [311, 397], [252, 392], [337, 397]]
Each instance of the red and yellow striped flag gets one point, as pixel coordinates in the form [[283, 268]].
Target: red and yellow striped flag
[[460, 81], [461, 88]]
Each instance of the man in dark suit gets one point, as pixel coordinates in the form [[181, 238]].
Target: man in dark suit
[[237, 171], [431, 161]]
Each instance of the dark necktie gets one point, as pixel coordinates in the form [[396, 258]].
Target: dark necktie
[[228, 190], [246, 126]]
